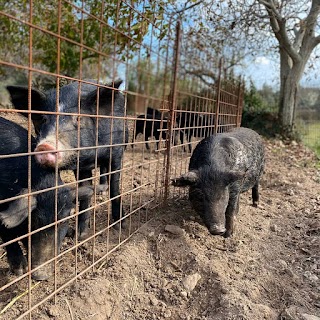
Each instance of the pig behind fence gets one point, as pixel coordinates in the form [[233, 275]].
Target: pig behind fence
[[221, 167], [151, 125], [79, 130], [14, 214], [196, 125]]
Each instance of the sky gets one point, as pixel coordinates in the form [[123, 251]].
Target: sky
[[267, 71]]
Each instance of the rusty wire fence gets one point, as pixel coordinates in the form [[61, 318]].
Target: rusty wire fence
[[90, 160]]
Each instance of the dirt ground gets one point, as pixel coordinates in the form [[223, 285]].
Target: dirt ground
[[172, 268]]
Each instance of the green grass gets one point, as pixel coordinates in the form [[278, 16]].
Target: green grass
[[311, 136]]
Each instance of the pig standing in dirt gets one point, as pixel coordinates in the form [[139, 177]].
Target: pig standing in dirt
[[79, 127], [221, 167], [14, 176]]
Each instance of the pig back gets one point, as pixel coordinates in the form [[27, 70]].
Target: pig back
[[240, 150]]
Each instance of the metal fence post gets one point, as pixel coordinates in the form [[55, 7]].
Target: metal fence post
[[240, 103], [216, 121], [172, 102]]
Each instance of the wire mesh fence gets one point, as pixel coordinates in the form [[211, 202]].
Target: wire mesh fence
[[83, 162]]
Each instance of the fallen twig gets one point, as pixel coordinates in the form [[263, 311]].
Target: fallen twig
[[3, 255], [70, 310]]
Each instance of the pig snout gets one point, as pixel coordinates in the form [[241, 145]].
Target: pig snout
[[216, 229], [48, 159]]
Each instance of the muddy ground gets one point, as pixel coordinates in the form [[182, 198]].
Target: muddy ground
[[172, 268]]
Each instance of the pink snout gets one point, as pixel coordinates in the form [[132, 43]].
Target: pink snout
[[48, 159]]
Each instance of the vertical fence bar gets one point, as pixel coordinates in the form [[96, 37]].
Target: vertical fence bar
[[216, 120], [239, 103], [30, 75], [172, 101]]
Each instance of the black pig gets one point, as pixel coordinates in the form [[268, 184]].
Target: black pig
[[13, 214], [194, 125], [112, 134], [150, 125], [221, 167]]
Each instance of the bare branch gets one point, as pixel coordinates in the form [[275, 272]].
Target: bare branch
[[189, 7], [309, 25], [278, 25], [202, 76]]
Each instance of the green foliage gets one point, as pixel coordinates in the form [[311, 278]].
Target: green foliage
[[87, 30], [260, 111], [310, 134], [264, 99]]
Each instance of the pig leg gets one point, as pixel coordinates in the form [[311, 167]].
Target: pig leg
[[189, 140], [105, 179], [83, 220], [157, 136], [146, 140], [255, 195], [17, 262], [182, 140], [115, 186], [232, 210]]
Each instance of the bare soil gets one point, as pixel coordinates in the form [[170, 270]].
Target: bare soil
[[172, 268]]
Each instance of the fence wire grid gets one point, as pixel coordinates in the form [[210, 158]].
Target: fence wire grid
[[85, 157]]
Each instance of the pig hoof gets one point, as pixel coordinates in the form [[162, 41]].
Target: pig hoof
[[227, 234], [255, 204], [83, 235], [19, 267], [40, 275], [18, 271], [123, 225], [217, 230], [70, 233]]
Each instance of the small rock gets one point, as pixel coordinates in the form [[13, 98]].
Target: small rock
[[154, 301], [309, 317], [290, 192], [53, 311], [291, 273], [224, 290], [184, 294], [167, 314], [289, 313], [282, 264], [294, 143], [312, 277], [190, 282], [274, 228], [174, 230], [193, 218]]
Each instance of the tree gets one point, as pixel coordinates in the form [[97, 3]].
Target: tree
[[239, 30], [288, 26], [295, 48]]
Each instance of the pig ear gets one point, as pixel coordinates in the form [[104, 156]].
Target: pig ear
[[188, 179], [19, 98], [234, 176], [105, 95], [17, 211]]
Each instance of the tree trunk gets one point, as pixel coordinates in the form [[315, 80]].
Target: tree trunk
[[290, 76]]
